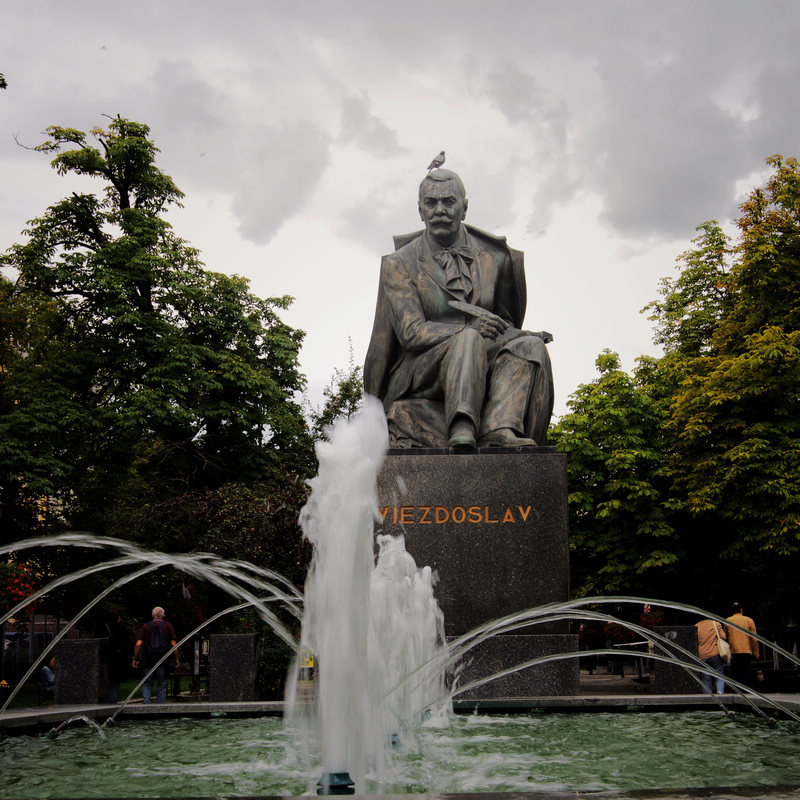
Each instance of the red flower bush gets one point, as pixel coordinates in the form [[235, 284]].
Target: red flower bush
[[617, 634], [16, 583]]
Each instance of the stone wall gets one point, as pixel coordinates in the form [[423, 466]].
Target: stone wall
[[233, 664], [81, 672]]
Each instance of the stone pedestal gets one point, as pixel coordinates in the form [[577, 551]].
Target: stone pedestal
[[493, 525], [232, 665], [550, 679], [81, 672], [672, 678]]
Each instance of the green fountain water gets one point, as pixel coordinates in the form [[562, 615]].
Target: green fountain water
[[539, 752]]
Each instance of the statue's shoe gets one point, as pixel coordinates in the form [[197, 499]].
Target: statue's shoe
[[462, 436], [462, 442], [505, 437]]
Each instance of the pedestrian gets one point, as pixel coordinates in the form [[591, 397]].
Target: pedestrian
[[709, 634], [155, 640], [47, 677], [119, 652], [744, 648]]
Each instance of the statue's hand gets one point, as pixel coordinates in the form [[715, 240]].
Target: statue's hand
[[545, 336], [489, 325]]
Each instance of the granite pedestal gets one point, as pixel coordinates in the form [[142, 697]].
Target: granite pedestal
[[232, 664], [549, 679], [493, 525], [669, 678], [81, 672]]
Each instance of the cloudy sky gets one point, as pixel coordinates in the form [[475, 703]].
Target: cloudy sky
[[596, 135]]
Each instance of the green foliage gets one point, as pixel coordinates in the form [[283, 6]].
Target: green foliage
[[738, 441], [766, 272], [694, 302], [343, 397], [618, 509], [128, 369], [710, 432], [256, 522], [25, 322], [736, 416]]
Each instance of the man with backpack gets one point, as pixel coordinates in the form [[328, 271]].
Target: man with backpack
[[155, 639]]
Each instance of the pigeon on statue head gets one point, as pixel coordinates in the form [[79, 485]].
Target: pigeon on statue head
[[437, 162]]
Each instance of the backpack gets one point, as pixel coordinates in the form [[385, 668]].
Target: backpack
[[158, 643]]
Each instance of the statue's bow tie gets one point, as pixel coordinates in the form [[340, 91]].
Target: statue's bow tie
[[455, 261], [447, 253]]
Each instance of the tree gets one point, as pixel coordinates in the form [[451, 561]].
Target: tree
[[736, 413], [620, 534], [697, 455], [343, 397], [696, 300], [256, 523], [144, 375]]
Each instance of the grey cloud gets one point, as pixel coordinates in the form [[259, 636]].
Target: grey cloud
[[380, 215], [523, 101], [553, 188], [370, 222], [194, 124], [618, 98], [515, 93], [186, 99], [491, 198], [669, 141], [776, 128], [361, 127], [282, 169], [545, 119], [665, 155]]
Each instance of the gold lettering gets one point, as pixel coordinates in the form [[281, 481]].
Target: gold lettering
[[524, 512], [475, 514], [382, 512], [463, 514], [425, 511], [394, 514], [486, 515], [407, 515], [508, 517], [442, 515]]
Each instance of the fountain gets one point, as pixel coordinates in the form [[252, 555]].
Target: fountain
[[377, 635], [369, 625]]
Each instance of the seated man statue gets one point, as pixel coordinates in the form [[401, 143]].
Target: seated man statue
[[447, 355]]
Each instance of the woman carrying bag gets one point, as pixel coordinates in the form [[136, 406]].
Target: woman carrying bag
[[712, 648]]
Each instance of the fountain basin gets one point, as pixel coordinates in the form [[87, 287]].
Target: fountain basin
[[542, 753]]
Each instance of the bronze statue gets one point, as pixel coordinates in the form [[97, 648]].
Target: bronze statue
[[447, 355]]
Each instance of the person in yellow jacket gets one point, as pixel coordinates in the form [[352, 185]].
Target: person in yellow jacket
[[707, 650], [744, 648]]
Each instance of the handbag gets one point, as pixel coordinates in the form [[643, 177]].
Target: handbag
[[723, 648]]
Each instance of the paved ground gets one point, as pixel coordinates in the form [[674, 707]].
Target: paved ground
[[599, 692]]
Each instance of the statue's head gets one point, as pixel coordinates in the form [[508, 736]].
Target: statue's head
[[442, 205]]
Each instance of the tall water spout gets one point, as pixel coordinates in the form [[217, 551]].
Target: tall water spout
[[367, 626], [338, 521]]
